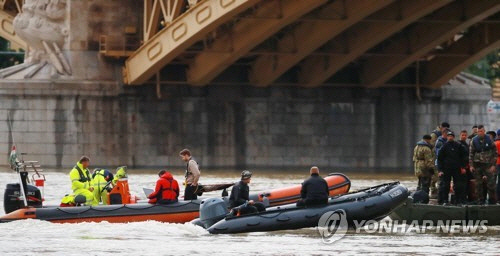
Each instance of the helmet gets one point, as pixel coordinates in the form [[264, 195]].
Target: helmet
[[246, 175]]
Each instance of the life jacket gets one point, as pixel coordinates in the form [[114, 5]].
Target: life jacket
[[169, 189], [187, 167], [497, 144], [438, 133], [487, 145], [83, 178]]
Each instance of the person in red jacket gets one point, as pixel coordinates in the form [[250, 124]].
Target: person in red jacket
[[166, 191]]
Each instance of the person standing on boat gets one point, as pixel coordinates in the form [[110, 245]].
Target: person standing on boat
[[192, 175], [314, 190], [492, 135], [451, 164], [473, 134], [239, 200], [468, 175], [482, 159], [438, 132], [435, 179], [81, 181], [423, 158], [166, 190]]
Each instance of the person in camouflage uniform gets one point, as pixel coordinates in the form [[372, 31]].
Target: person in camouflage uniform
[[423, 157], [482, 159], [438, 132]]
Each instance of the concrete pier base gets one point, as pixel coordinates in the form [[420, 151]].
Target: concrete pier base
[[227, 126]]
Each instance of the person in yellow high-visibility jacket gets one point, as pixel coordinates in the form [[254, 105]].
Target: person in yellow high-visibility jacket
[[81, 181], [101, 180], [121, 172]]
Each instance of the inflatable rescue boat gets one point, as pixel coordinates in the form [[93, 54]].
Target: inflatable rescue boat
[[180, 212], [372, 203]]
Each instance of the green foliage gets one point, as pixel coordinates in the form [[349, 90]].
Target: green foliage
[[9, 57], [488, 67]]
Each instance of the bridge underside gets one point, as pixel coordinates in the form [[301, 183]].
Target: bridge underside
[[370, 43]]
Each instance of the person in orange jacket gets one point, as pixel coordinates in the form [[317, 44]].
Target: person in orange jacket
[[166, 190]]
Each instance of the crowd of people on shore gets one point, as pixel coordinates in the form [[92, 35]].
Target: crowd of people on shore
[[472, 162]]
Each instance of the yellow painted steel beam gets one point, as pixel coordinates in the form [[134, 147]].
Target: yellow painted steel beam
[[474, 45], [154, 9], [7, 31], [247, 34], [316, 69], [424, 37], [177, 36], [310, 35]]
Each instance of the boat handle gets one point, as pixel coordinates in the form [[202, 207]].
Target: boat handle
[[311, 216], [283, 219], [370, 205]]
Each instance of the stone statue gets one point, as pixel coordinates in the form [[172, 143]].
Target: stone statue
[[42, 25]]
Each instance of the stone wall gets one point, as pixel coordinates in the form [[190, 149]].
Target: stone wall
[[228, 127]]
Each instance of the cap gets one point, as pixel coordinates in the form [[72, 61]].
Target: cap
[[246, 175], [427, 137], [445, 124], [451, 133]]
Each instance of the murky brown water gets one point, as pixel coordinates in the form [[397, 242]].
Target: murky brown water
[[152, 238]]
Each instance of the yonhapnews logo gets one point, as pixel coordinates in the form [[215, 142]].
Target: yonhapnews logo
[[332, 226]]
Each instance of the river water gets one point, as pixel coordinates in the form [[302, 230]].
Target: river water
[[32, 237]]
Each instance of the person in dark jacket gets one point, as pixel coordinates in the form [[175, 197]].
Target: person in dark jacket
[[314, 190], [435, 177], [166, 190], [239, 199], [468, 174], [452, 159]]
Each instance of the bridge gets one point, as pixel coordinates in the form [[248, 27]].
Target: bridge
[[234, 78], [370, 43]]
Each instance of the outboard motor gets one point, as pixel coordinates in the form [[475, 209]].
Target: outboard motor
[[12, 200], [212, 210]]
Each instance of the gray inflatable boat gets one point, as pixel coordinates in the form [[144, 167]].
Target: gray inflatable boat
[[372, 203]]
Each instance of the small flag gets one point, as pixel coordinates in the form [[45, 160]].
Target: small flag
[[13, 160]]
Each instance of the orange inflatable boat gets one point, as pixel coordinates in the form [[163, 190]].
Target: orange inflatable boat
[[179, 212], [338, 184]]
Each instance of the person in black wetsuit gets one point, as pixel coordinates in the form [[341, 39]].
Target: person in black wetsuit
[[314, 190], [239, 199]]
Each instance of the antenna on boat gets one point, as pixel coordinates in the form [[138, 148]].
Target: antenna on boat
[[16, 164]]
